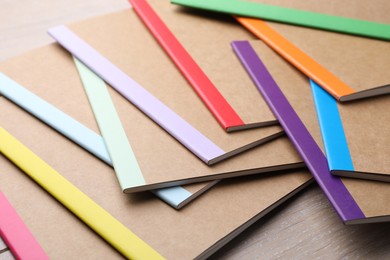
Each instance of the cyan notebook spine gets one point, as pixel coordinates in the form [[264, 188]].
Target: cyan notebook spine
[[333, 135]]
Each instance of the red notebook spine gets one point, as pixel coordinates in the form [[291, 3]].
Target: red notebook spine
[[202, 85]]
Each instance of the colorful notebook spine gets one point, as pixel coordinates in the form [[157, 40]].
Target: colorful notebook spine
[[191, 138], [293, 16], [340, 161], [54, 117], [333, 187], [333, 136], [75, 131], [206, 90], [123, 159], [298, 58], [16, 234], [176, 196], [109, 228]]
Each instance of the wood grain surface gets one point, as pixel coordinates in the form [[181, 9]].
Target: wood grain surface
[[305, 227]]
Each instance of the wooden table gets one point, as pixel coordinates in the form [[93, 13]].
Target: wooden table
[[304, 227]]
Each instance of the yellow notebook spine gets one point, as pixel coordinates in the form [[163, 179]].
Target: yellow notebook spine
[[109, 228]]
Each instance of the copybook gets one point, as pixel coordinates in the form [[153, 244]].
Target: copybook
[[349, 17], [353, 68], [356, 136], [138, 227], [119, 49], [200, 50], [92, 142], [50, 72], [289, 95], [89, 140]]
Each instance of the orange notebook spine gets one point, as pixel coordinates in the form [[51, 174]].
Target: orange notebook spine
[[308, 66]]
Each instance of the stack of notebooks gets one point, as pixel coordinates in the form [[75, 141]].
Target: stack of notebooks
[[119, 128]]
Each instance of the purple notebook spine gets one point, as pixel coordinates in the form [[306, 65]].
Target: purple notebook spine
[[310, 152]]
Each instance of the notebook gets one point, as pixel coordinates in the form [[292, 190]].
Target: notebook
[[164, 162], [305, 47], [333, 16], [355, 136], [154, 91], [118, 146], [195, 50], [195, 232], [77, 202], [289, 95], [177, 196], [360, 73]]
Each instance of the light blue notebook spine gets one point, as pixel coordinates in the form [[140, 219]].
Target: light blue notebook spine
[[333, 135], [174, 196], [54, 117], [74, 130]]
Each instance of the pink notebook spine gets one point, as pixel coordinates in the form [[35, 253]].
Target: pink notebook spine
[[16, 235]]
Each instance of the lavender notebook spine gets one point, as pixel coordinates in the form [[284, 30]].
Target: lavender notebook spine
[[191, 138]]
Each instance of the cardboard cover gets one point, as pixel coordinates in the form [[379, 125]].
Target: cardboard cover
[[91, 42], [136, 94], [349, 129], [299, 13], [86, 138], [369, 197], [353, 68], [183, 234], [308, 49], [49, 72], [208, 43], [76, 201], [199, 81]]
